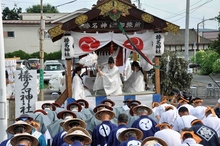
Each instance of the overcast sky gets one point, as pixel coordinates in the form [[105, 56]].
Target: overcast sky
[[169, 10]]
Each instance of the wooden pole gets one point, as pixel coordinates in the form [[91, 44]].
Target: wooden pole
[[135, 56], [69, 79], [157, 74]]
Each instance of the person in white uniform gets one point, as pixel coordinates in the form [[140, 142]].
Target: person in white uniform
[[77, 85], [184, 102], [184, 121], [189, 138], [109, 79], [198, 110], [165, 134], [212, 120], [169, 116], [136, 81]]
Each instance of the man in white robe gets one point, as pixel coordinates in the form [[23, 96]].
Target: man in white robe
[[109, 79]]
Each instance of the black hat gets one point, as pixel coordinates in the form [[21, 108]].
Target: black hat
[[24, 116], [111, 60]]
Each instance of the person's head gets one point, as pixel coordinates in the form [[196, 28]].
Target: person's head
[[134, 63], [197, 102], [130, 132], [48, 106], [74, 107], [72, 123], [19, 127], [127, 101], [25, 118], [24, 139], [164, 125], [78, 70], [104, 115], [123, 119], [196, 122], [155, 104], [83, 103], [66, 114], [189, 133], [153, 141], [183, 111], [134, 103], [209, 111], [108, 102], [111, 62], [142, 110], [136, 66]]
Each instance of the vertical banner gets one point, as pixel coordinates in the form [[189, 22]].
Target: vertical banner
[[25, 91], [67, 47], [158, 43]]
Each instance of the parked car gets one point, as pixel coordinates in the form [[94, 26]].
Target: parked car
[[52, 68], [23, 64], [57, 82], [34, 63]]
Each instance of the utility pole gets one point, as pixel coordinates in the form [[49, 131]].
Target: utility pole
[[3, 113], [187, 31], [42, 27]]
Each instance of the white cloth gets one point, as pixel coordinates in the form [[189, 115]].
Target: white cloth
[[77, 88], [198, 112], [169, 116], [136, 83], [213, 122], [161, 109], [110, 81], [188, 106], [166, 134], [190, 142], [47, 137], [183, 122]]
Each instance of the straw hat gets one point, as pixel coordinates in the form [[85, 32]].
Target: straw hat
[[28, 128], [17, 137], [24, 116], [104, 110], [138, 132], [77, 131], [102, 106], [83, 101], [76, 104], [60, 114], [72, 120], [53, 106], [135, 109], [108, 100], [127, 100], [40, 111], [154, 140]]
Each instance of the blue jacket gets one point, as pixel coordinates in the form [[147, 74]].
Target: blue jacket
[[131, 141], [208, 135], [146, 125], [101, 133], [113, 137], [58, 139]]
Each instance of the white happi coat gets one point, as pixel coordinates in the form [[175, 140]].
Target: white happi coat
[[110, 81], [190, 142], [213, 122], [198, 112], [183, 122], [77, 88], [169, 116], [166, 135], [188, 106], [135, 82]]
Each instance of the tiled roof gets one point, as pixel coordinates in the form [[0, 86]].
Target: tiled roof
[[23, 21], [179, 38]]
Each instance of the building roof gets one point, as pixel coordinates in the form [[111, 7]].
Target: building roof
[[179, 38]]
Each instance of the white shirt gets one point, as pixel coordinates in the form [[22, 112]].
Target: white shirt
[[161, 109], [198, 112], [183, 122], [190, 141], [213, 122], [169, 116], [171, 137]]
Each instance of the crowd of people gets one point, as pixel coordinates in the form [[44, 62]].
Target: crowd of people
[[133, 124]]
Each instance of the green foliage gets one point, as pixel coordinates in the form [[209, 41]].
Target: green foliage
[[200, 56], [24, 55], [173, 74], [8, 14], [216, 66], [47, 8]]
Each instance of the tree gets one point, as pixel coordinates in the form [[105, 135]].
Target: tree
[[216, 44], [8, 14], [46, 9], [173, 73]]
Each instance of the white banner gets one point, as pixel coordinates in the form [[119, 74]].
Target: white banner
[[88, 42], [25, 91], [158, 43]]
